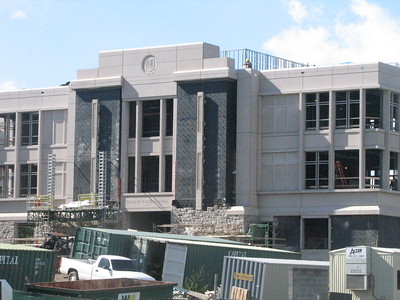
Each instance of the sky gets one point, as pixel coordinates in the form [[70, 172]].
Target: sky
[[44, 42]]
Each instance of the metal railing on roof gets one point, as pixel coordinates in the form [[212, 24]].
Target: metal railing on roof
[[260, 61]]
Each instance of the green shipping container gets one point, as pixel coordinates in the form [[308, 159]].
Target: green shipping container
[[91, 243], [211, 257], [19, 264]]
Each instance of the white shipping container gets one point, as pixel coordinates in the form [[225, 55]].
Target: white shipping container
[[272, 279]]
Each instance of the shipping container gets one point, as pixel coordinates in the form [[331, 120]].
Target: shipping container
[[118, 288], [93, 242], [272, 279], [365, 273], [170, 257], [20, 264]]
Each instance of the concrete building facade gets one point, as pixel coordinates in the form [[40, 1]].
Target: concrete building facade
[[312, 151]]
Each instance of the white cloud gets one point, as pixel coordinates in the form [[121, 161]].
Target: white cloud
[[8, 85], [371, 35], [18, 15], [297, 10]]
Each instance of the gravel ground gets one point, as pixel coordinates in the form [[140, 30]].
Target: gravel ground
[[60, 277]]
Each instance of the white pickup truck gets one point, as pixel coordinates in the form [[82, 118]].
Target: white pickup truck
[[105, 266]]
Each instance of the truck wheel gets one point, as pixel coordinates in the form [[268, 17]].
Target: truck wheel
[[73, 276]]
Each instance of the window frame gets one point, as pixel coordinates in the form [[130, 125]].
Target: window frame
[[351, 107], [29, 128], [8, 127], [31, 175], [7, 179], [318, 163], [315, 106]]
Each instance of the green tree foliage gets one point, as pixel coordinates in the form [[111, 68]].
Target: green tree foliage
[[196, 281]]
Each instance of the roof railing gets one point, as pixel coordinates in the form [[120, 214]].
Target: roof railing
[[260, 61]]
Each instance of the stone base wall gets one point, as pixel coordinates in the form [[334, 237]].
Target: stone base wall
[[7, 230], [213, 221]]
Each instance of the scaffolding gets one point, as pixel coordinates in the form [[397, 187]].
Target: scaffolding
[[88, 207]]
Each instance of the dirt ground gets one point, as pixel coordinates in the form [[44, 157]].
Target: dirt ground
[[60, 277]]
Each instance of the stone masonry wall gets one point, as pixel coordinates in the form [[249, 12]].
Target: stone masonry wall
[[213, 221], [7, 230]]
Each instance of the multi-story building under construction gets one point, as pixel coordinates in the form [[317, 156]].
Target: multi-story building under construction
[[312, 151]]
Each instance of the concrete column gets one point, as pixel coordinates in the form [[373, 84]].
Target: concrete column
[[331, 138], [69, 187], [41, 163], [124, 147], [362, 140], [138, 156], [17, 168], [385, 121], [199, 150], [302, 160], [174, 134], [94, 142], [163, 126], [247, 139]]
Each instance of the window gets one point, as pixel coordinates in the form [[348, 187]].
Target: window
[[29, 128], [168, 173], [316, 233], [373, 109], [26, 230], [131, 174], [394, 171], [317, 111], [372, 168], [394, 112], [150, 174], [317, 170], [170, 117], [6, 181], [347, 109], [151, 118], [346, 169], [398, 279], [104, 263], [132, 119], [7, 130], [28, 182]]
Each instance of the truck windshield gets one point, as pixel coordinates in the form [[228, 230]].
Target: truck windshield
[[122, 265]]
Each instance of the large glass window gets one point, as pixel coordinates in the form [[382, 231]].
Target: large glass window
[[151, 118], [168, 173], [316, 233], [317, 170], [28, 181], [317, 111], [373, 168], [373, 108], [347, 109], [29, 128], [7, 130], [6, 181], [131, 174], [132, 119], [150, 174], [394, 112], [170, 117], [346, 169], [394, 171]]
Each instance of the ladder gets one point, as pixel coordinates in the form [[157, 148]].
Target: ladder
[[51, 168], [101, 188], [340, 173]]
